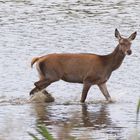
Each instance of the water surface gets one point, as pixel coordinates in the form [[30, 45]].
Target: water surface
[[31, 28]]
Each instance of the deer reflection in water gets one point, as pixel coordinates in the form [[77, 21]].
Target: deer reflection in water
[[42, 113], [96, 117]]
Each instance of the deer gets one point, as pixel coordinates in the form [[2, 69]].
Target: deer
[[85, 68]]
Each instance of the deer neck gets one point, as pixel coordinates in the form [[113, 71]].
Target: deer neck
[[116, 58]]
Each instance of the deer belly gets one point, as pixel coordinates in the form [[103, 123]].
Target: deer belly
[[72, 78], [102, 79]]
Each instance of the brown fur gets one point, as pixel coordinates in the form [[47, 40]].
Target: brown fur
[[34, 60], [89, 69]]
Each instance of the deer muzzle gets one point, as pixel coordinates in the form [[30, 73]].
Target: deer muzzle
[[129, 52]]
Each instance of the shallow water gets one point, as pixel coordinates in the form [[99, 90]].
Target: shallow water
[[31, 28]]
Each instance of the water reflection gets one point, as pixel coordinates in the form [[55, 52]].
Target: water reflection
[[43, 115], [96, 119], [93, 117], [37, 27]]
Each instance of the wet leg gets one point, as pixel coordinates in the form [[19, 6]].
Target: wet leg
[[34, 90], [40, 82], [86, 88], [40, 85], [105, 92]]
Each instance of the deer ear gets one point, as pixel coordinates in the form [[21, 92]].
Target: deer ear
[[117, 34], [132, 36]]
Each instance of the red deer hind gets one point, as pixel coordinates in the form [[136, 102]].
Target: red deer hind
[[89, 69]]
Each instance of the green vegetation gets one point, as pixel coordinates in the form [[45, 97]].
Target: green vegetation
[[138, 109], [42, 130]]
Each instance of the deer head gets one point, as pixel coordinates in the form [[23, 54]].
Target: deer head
[[125, 43]]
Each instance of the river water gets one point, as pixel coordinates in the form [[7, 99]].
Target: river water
[[31, 28]]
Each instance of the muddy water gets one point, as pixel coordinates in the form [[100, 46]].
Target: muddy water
[[30, 28]]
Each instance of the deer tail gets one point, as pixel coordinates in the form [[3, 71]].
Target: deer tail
[[34, 61]]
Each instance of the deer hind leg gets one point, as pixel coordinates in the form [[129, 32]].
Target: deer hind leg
[[40, 85], [46, 75], [105, 92], [86, 88], [42, 76], [34, 90]]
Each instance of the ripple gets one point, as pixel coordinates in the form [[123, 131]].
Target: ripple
[[32, 28]]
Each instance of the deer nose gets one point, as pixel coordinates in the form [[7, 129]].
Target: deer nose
[[129, 52]]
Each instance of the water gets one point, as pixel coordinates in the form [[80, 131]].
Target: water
[[31, 28]]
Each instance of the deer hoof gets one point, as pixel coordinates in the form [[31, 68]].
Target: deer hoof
[[32, 91], [109, 100]]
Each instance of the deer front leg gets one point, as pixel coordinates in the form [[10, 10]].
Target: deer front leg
[[86, 88], [105, 92]]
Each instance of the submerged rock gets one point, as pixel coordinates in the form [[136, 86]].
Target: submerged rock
[[42, 96]]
